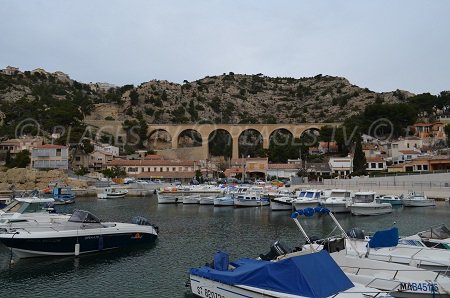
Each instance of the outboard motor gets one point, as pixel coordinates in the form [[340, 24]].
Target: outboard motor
[[277, 249], [356, 233], [142, 221]]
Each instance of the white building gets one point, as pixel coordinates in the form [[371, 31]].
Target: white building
[[376, 164], [50, 156], [283, 170], [408, 143], [342, 166], [106, 148]]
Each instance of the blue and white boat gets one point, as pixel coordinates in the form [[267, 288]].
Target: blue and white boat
[[391, 199], [82, 233], [400, 280], [224, 201], [63, 195], [310, 275]]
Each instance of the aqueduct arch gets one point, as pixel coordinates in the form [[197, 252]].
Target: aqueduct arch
[[235, 130]]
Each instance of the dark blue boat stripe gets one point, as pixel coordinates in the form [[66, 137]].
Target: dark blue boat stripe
[[233, 292], [195, 280]]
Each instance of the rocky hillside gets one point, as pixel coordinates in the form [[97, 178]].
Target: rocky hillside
[[228, 98], [236, 98]]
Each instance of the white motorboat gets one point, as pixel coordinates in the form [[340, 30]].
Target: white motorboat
[[207, 200], [338, 201], [401, 280], [417, 199], [297, 276], [250, 200], [435, 237], [224, 201], [112, 193], [307, 199], [281, 203], [391, 199], [170, 197], [363, 203], [30, 210], [192, 199], [82, 233]]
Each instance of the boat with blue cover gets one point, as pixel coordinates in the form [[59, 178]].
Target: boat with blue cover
[[310, 275]]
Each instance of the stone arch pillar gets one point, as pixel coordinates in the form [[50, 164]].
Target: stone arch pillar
[[266, 141], [205, 149], [235, 147], [175, 141]]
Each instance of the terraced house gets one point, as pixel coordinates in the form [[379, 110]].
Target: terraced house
[[50, 156]]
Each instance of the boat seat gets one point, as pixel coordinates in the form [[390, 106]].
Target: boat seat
[[334, 245]]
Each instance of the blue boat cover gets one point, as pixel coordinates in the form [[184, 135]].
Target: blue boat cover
[[311, 275], [386, 238], [221, 261]]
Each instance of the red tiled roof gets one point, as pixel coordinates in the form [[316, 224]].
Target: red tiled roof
[[49, 146], [374, 159], [409, 152], [165, 175], [413, 138], [423, 124], [153, 156], [150, 162]]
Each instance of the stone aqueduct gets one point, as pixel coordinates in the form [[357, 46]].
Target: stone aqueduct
[[205, 130]]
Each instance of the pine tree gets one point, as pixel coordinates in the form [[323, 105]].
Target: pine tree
[[359, 159]]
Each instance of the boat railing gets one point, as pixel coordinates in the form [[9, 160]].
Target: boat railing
[[409, 259], [395, 272]]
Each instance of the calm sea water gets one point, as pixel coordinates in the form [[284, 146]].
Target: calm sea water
[[189, 236]]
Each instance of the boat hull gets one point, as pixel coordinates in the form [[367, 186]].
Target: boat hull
[[305, 204], [370, 209], [336, 207], [169, 199], [191, 200], [419, 203], [203, 287], [223, 202], [392, 202], [277, 205], [207, 201], [250, 203], [66, 246]]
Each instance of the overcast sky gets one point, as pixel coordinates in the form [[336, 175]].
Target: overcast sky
[[383, 45]]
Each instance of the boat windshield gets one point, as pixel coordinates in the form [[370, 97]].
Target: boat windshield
[[360, 198], [438, 232], [83, 217], [339, 194], [308, 194]]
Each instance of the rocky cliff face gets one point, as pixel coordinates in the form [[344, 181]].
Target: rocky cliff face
[[229, 98], [249, 99]]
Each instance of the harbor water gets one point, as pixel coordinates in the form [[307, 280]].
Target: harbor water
[[189, 236]]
